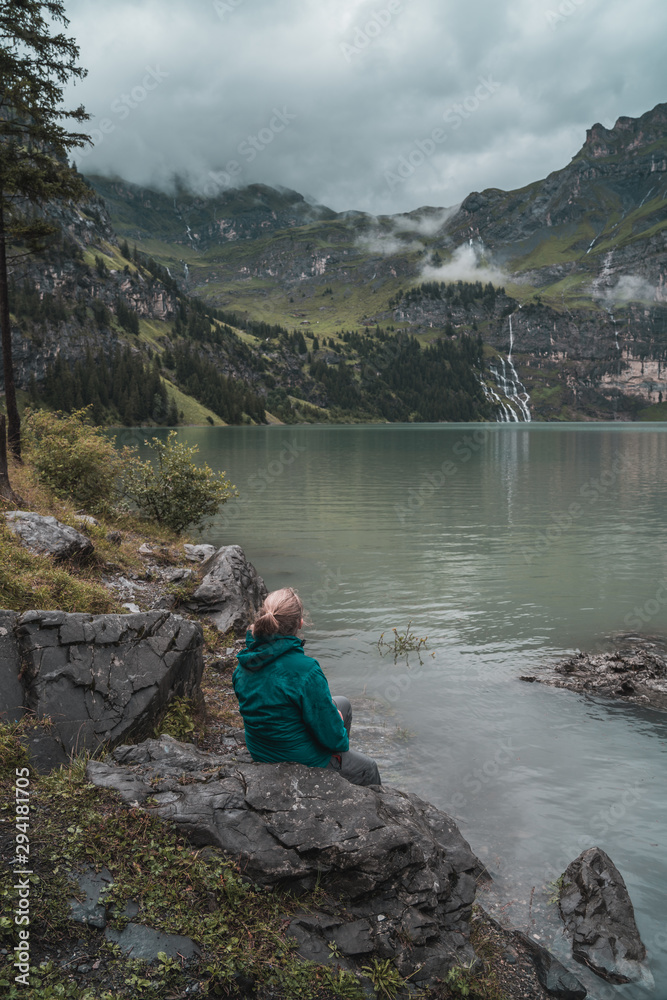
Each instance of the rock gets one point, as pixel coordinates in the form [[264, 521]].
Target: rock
[[145, 943], [231, 592], [145, 550], [176, 574], [600, 919], [132, 608], [165, 601], [87, 519], [91, 910], [554, 977], [12, 696], [114, 537], [47, 535], [98, 678], [402, 868], [635, 671], [199, 553]]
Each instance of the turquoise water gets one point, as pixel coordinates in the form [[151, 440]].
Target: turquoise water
[[508, 546]]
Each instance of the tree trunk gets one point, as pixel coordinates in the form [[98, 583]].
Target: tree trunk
[[6, 491], [13, 418]]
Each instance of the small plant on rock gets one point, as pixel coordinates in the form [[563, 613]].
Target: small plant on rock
[[556, 889], [178, 720], [458, 980], [385, 977]]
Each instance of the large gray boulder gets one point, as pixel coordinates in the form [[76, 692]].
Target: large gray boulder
[[600, 919], [401, 867], [12, 695], [48, 536], [98, 678], [231, 592]]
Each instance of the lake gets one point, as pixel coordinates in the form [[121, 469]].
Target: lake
[[508, 546]]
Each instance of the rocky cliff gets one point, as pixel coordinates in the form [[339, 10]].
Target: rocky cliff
[[583, 251]]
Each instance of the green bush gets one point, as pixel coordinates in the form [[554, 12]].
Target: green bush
[[73, 458], [172, 489]]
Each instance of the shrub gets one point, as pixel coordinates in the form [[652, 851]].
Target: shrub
[[74, 459], [172, 489]]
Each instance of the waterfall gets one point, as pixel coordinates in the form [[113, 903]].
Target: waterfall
[[514, 405]]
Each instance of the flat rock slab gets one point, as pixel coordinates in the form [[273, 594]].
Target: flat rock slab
[[48, 536], [551, 974], [600, 919], [145, 943], [635, 672], [231, 592], [406, 874], [97, 678], [91, 909]]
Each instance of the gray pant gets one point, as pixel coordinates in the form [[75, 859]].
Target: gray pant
[[354, 766]]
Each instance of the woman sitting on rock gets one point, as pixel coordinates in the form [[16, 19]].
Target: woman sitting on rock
[[284, 698]]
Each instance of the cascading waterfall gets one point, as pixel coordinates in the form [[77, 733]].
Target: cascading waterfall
[[514, 406], [618, 348]]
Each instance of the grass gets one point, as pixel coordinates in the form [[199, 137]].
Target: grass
[[658, 411], [29, 580], [194, 413], [239, 928]]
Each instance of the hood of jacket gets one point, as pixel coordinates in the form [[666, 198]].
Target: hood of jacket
[[260, 652]]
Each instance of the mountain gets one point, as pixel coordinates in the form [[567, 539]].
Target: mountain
[[581, 255], [95, 322], [254, 304]]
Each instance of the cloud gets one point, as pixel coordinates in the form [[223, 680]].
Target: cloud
[[628, 288], [387, 244], [427, 222], [231, 69], [467, 264], [399, 234]]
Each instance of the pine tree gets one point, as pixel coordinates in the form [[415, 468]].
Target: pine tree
[[36, 61]]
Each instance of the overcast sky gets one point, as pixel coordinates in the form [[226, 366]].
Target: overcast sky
[[379, 105]]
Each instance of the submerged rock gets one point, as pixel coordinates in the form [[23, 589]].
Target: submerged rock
[[231, 592], [98, 678], [599, 917], [46, 535], [551, 974], [402, 868]]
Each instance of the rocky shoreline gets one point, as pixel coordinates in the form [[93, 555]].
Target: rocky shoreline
[[396, 880], [635, 671]]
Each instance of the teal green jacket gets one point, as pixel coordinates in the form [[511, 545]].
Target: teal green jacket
[[286, 704]]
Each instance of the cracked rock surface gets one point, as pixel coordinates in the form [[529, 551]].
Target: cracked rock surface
[[401, 867], [231, 592], [45, 534], [634, 672], [99, 678], [600, 919]]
